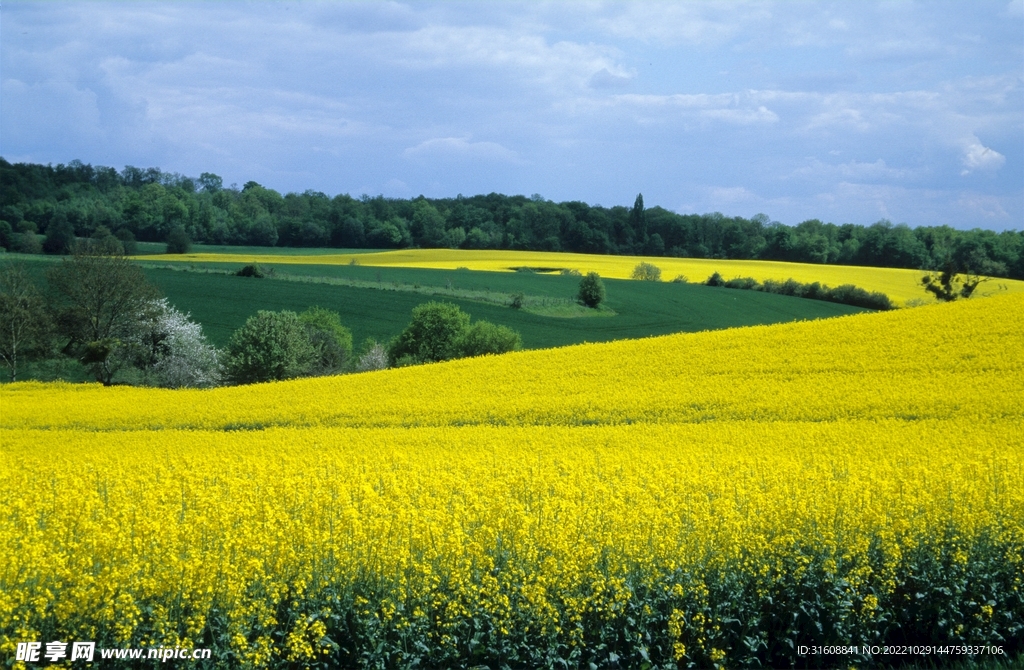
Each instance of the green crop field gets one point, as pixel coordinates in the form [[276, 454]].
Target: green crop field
[[380, 306], [222, 302]]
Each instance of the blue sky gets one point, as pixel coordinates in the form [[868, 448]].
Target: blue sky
[[847, 111]]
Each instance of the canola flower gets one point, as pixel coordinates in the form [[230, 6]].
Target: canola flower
[[699, 499], [901, 285]]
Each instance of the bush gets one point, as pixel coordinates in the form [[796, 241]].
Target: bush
[[847, 294], [271, 345], [715, 280], [181, 355], [26, 243], [746, 283], [484, 337], [646, 272], [331, 340], [680, 279], [433, 334], [516, 301], [374, 357], [256, 271], [178, 241], [60, 237], [591, 291], [127, 239]]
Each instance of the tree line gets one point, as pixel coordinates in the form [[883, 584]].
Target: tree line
[[45, 207]]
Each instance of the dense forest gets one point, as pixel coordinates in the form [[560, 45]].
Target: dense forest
[[77, 199]]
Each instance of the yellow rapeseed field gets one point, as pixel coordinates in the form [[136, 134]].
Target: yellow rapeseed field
[[900, 285], [702, 499]]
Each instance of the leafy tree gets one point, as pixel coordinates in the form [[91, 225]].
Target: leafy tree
[[646, 272], [178, 241], [331, 341], [60, 236], [104, 242], [127, 240], [270, 346], [433, 334], [638, 219], [951, 284], [6, 235], [25, 327], [591, 292], [102, 301], [484, 337]]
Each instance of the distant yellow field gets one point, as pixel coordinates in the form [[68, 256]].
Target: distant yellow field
[[900, 285]]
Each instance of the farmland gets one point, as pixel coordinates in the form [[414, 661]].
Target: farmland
[[902, 285], [380, 305], [713, 498]]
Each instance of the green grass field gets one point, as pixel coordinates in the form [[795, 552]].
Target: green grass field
[[222, 302]]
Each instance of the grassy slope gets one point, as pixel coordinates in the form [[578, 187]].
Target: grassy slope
[[222, 303], [899, 284]]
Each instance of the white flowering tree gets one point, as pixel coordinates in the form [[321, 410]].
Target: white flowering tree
[[176, 353]]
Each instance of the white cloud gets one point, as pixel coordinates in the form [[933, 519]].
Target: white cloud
[[979, 157], [461, 147], [680, 22], [860, 171]]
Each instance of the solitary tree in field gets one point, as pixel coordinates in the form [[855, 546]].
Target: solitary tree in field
[[591, 291], [178, 241], [646, 272], [951, 284]]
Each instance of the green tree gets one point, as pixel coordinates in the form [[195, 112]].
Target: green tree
[[60, 236], [646, 272], [270, 346], [433, 334], [102, 302], [25, 327], [591, 292], [951, 284], [178, 241], [638, 219], [484, 337], [331, 341]]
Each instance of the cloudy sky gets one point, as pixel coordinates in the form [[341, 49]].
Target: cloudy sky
[[845, 111]]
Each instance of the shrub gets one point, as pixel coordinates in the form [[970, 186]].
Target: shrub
[[271, 345], [127, 239], [433, 334], [178, 241], [746, 283], [680, 279], [715, 280], [256, 271], [516, 301], [374, 357], [331, 340], [26, 243], [484, 337], [646, 272], [183, 357], [591, 291], [60, 237]]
